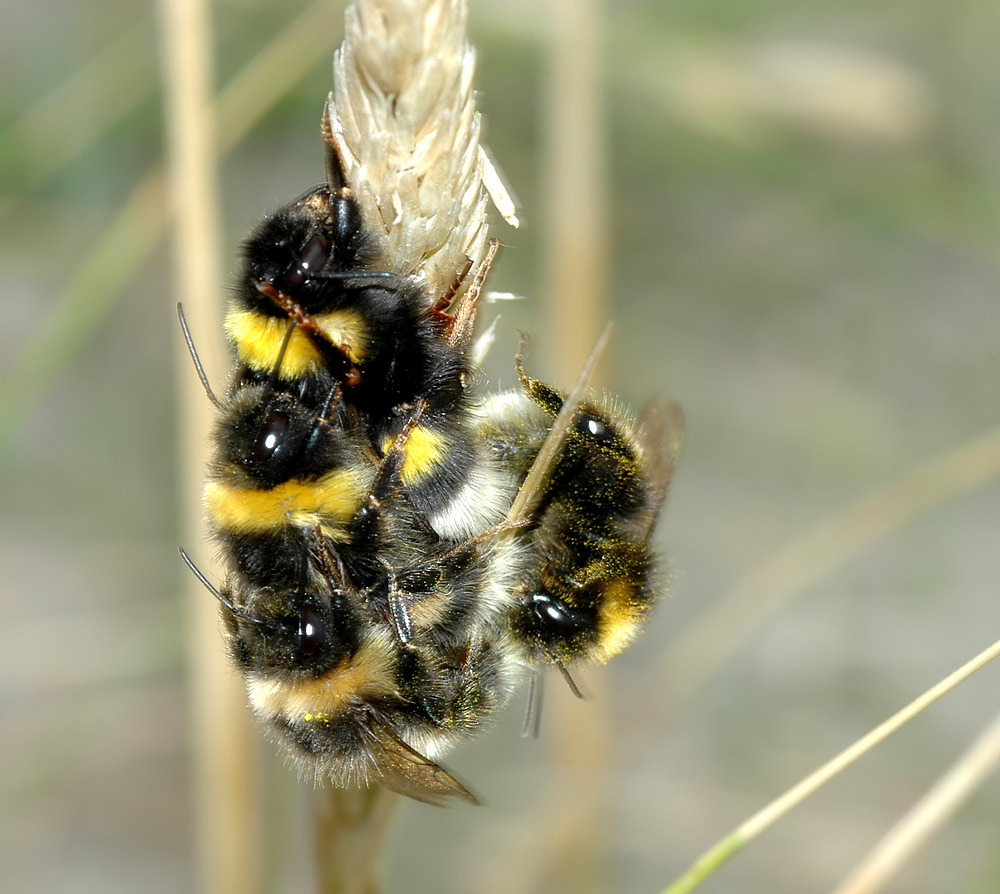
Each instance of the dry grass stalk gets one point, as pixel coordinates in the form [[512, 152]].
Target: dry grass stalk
[[225, 791], [726, 848], [903, 841]]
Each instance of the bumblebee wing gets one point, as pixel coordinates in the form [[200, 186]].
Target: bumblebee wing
[[406, 771], [661, 433]]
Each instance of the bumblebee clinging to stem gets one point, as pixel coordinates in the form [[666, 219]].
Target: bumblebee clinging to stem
[[594, 487], [364, 634], [398, 547], [393, 349]]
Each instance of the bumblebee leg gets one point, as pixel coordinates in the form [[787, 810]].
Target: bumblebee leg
[[332, 565], [440, 308], [337, 357], [533, 710], [463, 320], [364, 525], [570, 681], [397, 607]]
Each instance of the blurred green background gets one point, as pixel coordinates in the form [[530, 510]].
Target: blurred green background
[[803, 225]]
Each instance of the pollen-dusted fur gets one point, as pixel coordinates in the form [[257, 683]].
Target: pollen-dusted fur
[[591, 578]]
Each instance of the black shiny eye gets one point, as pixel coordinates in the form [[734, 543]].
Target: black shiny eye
[[558, 617], [271, 436], [594, 428], [311, 630], [311, 259]]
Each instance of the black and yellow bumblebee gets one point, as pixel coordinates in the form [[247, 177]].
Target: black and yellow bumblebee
[[393, 349], [364, 631], [384, 595], [590, 575]]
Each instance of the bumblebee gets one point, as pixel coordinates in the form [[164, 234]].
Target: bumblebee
[[350, 699], [591, 576], [384, 591], [364, 637], [390, 347]]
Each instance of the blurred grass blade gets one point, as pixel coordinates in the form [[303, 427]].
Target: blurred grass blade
[[928, 815], [88, 297], [808, 559], [720, 853], [62, 125], [272, 73], [129, 239]]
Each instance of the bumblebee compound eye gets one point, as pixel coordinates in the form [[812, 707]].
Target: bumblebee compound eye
[[313, 257], [557, 618], [312, 630], [592, 427], [271, 438]]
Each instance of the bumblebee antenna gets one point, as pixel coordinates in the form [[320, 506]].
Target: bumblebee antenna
[[208, 586], [273, 380], [195, 358], [570, 681], [533, 711]]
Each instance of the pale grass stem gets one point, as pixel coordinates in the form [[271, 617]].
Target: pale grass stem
[[720, 853], [226, 788], [902, 842]]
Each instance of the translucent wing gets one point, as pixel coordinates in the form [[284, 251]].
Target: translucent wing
[[406, 771], [661, 433]]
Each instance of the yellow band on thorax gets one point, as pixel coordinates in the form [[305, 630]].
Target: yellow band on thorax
[[331, 502], [258, 339]]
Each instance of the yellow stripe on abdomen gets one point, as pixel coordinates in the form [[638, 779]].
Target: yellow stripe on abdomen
[[621, 610], [422, 452], [366, 674]]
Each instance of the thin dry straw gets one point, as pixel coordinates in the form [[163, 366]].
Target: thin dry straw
[[929, 814], [576, 195], [576, 240], [720, 853], [227, 793]]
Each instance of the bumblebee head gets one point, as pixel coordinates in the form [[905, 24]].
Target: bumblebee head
[[308, 249], [269, 437], [288, 634]]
